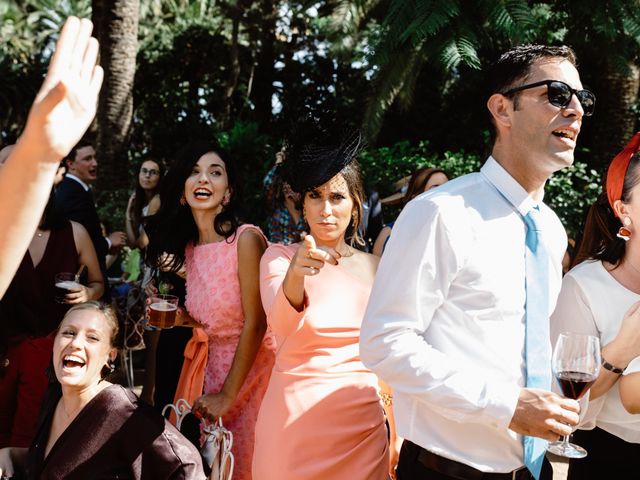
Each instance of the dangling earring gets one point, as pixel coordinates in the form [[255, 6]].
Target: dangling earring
[[624, 233], [183, 201], [111, 366]]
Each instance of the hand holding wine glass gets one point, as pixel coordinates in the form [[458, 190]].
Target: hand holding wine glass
[[576, 365]]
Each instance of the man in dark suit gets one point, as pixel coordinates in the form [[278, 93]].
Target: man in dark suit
[[74, 199]]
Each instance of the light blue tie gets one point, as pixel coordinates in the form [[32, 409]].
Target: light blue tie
[[537, 341]]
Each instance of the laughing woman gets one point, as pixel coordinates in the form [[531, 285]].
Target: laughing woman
[[197, 226], [90, 428]]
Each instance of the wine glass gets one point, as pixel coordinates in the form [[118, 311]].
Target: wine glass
[[576, 365]]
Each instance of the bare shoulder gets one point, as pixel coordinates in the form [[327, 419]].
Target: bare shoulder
[[154, 204], [369, 259], [251, 239], [79, 232], [366, 265]]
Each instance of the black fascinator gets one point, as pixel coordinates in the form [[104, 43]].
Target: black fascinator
[[314, 156]]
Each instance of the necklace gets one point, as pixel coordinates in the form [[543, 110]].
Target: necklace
[[348, 252], [39, 233]]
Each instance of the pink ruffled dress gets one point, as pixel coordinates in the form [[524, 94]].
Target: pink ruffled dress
[[213, 299]]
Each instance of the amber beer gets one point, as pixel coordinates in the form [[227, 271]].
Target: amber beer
[[64, 282], [163, 310]]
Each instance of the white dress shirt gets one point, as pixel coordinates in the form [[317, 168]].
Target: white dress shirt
[[445, 322], [593, 302]]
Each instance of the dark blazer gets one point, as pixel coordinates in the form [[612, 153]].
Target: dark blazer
[[114, 436], [75, 203]]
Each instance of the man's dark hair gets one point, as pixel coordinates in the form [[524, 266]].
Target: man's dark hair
[[514, 65], [84, 142]]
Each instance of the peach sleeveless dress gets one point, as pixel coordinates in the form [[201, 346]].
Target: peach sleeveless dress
[[321, 417], [213, 299]]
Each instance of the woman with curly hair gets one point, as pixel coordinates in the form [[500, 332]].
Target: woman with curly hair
[[197, 226]]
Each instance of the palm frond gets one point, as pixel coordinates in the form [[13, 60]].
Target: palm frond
[[388, 82]]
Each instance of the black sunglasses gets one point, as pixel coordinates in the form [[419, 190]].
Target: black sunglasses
[[559, 94]]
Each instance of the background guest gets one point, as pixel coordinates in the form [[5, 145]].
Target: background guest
[[422, 180], [143, 202], [284, 222], [74, 199], [600, 297]]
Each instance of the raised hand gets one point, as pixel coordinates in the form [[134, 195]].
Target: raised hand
[[309, 258], [66, 103]]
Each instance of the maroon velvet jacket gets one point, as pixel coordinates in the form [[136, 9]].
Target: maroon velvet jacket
[[113, 437]]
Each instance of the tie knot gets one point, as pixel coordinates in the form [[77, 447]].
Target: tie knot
[[531, 220]]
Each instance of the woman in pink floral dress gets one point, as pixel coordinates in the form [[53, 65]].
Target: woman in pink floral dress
[[197, 227]]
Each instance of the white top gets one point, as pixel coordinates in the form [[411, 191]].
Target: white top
[[445, 322], [593, 302]]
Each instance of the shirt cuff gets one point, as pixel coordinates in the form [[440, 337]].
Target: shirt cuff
[[108, 243], [503, 400], [633, 367]]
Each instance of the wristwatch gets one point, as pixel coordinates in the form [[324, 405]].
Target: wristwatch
[[606, 365]]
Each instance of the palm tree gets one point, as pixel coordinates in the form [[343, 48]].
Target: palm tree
[[445, 33], [606, 36], [116, 28]]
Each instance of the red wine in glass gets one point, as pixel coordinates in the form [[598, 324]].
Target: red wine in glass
[[576, 365], [575, 384]]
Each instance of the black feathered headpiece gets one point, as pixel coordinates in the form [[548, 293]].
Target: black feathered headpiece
[[314, 157]]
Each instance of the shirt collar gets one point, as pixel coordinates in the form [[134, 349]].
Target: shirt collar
[[84, 185], [508, 186]]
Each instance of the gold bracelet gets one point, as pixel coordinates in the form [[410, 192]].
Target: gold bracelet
[[387, 399]]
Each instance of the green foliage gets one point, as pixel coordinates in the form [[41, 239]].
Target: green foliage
[[27, 31], [254, 154], [383, 166], [569, 192], [447, 34]]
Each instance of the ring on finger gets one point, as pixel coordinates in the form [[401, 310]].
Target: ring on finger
[[314, 270]]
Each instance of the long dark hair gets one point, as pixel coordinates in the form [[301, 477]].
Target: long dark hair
[[51, 217], [141, 197], [599, 240], [173, 226]]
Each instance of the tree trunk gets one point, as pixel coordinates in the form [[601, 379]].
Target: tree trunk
[[235, 13], [265, 75], [616, 100], [116, 28]]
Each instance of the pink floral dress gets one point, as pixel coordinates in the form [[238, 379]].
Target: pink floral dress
[[213, 299]]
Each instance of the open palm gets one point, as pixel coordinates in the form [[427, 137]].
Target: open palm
[[66, 102]]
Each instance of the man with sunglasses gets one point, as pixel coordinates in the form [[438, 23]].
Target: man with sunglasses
[[458, 318]]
